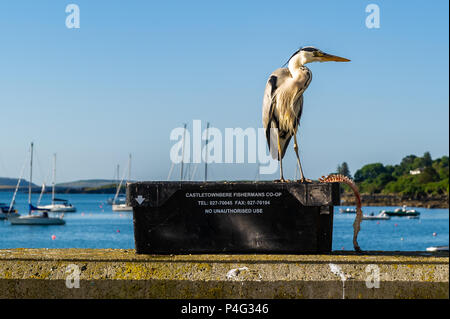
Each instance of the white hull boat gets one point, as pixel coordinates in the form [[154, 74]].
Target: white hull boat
[[121, 208], [57, 205], [36, 220], [438, 248], [65, 208], [381, 216], [40, 217], [6, 215], [347, 211], [119, 200]]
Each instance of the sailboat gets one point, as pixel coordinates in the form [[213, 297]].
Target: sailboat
[[120, 199], [39, 218], [121, 206], [58, 205], [7, 211]]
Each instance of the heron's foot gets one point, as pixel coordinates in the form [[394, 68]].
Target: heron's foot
[[304, 180], [281, 180]]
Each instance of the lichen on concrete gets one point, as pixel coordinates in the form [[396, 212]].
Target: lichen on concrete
[[114, 273]]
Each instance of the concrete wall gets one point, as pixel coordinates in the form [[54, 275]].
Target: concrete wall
[[112, 273]]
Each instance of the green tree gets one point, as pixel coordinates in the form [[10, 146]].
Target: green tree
[[433, 180], [407, 161], [441, 166], [428, 175], [427, 161], [406, 165], [344, 170], [369, 172]]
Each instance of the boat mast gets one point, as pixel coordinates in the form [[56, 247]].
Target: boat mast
[[13, 200], [54, 179], [30, 181], [118, 177], [182, 154], [170, 170], [206, 152], [121, 181], [129, 167], [117, 186]]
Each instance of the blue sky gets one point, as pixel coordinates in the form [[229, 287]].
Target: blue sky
[[135, 70]]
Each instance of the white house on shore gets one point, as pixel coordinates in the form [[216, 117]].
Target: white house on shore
[[416, 171]]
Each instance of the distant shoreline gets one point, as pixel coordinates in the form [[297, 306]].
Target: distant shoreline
[[442, 201]]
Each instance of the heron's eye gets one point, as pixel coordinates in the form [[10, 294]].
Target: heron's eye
[[318, 53]]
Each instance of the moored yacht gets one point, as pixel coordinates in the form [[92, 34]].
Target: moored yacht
[[401, 212], [347, 211], [372, 216], [57, 205], [41, 218], [35, 215], [437, 248], [7, 211], [122, 206]]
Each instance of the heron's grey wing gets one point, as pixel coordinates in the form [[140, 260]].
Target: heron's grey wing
[[269, 116], [285, 137], [298, 109], [269, 121]]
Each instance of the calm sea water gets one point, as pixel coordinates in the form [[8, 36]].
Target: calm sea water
[[95, 225]]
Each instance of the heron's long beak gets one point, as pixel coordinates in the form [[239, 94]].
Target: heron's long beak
[[328, 57]]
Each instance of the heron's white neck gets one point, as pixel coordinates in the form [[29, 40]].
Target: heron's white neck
[[296, 65]]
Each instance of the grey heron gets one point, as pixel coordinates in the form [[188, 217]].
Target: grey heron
[[283, 101]]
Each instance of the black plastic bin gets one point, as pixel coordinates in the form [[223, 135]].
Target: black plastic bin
[[232, 217]]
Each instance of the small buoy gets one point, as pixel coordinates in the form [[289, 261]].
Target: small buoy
[[434, 234], [101, 206], [118, 231], [53, 237], [82, 214], [120, 215], [343, 248], [378, 223], [396, 225]]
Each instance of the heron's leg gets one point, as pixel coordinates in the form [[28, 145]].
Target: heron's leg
[[279, 157], [302, 178]]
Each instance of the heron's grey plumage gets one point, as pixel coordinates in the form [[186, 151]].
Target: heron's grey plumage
[[273, 112], [283, 101]]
